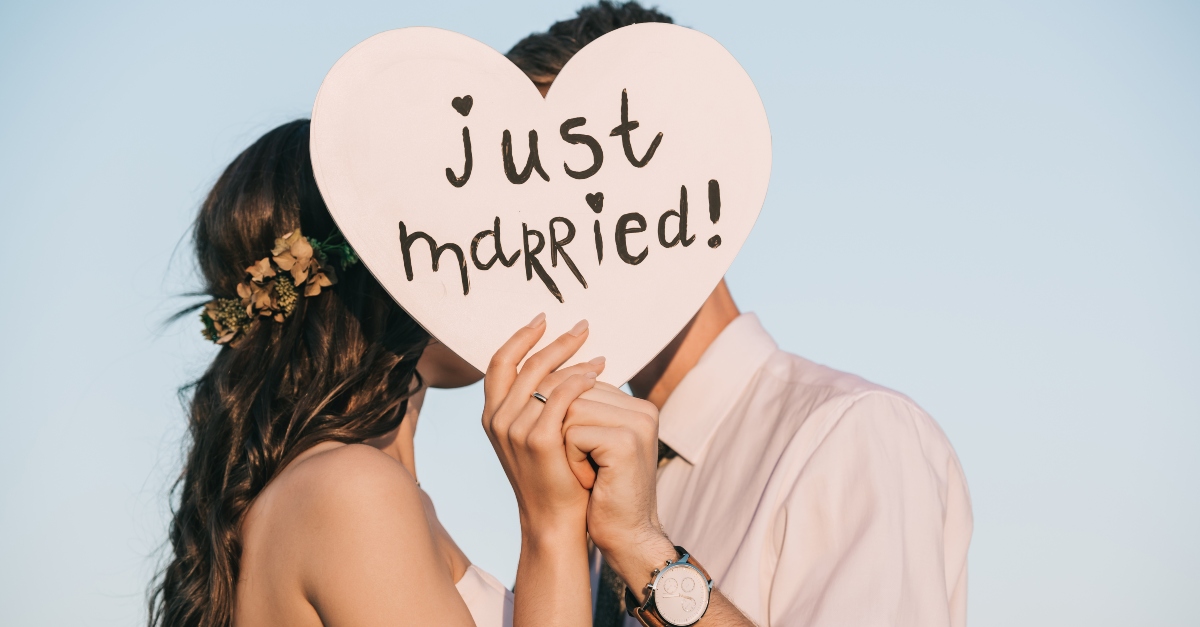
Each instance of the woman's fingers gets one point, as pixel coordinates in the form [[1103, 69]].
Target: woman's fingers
[[558, 400], [545, 361], [604, 393], [546, 433], [520, 414], [502, 370], [600, 385], [547, 385]]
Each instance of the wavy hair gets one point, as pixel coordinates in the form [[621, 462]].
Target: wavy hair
[[340, 368]]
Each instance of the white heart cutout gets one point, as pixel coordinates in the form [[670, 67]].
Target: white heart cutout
[[388, 149]]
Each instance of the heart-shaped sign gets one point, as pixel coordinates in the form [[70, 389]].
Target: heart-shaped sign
[[621, 197]]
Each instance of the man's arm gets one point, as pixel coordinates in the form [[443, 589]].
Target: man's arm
[[619, 434]]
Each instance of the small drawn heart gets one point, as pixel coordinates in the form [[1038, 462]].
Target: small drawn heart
[[462, 104], [474, 225], [595, 201]]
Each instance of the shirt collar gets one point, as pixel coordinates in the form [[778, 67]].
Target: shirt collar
[[709, 390]]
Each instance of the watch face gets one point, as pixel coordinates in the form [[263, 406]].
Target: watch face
[[681, 595]]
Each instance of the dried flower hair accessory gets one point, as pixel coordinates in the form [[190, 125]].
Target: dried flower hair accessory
[[297, 264]]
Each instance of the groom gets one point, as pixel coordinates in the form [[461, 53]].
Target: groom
[[810, 496]]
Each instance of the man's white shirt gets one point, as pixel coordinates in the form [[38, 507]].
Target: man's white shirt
[[813, 497]]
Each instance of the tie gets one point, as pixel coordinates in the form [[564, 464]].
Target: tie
[[610, 598]]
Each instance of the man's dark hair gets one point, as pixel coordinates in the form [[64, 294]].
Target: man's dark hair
[[542, 55]]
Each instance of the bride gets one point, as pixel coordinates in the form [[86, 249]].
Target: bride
[[297, 502]]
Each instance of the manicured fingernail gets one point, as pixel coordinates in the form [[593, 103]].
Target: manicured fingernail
[[597, 361], [537, 321], [579, 328], [590, 375]]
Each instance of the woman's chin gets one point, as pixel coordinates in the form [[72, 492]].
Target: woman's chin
[[442, 368]]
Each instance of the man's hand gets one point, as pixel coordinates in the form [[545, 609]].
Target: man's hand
[[619, 434], [612, 447]]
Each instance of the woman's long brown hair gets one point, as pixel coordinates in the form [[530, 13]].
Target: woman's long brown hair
[[340, 368]]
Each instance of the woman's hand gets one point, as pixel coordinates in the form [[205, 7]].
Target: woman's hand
[[552, 575], [528, 434]]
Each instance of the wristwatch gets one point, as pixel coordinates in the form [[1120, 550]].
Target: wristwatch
[[676, 596]]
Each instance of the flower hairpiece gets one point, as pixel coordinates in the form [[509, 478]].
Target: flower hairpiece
[[296, 265]]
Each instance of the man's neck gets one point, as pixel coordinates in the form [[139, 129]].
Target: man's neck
[[662, 375]]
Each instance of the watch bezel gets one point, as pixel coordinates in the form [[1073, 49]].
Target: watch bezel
[[682, 562]]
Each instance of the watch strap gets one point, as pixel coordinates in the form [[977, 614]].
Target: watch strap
[[648, 618]]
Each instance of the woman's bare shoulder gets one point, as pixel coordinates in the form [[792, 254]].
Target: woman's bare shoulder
[[342, 484], [349, 523], [344, 464]]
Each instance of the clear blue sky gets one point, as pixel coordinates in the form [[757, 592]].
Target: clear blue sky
[[993, 207]]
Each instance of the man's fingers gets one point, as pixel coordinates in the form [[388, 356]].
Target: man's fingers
[[610, 427], [577, 445], [502, 370], [585, 412], [607, 446]]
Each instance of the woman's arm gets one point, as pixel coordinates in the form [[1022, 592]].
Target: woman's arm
[[553, 585]]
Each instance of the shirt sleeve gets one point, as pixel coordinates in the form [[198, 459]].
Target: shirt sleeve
[[876, 527]]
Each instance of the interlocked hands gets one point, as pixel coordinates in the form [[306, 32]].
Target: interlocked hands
[[587, 456]]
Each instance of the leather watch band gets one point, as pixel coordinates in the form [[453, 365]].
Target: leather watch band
[[646, 613], [648, 619]]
